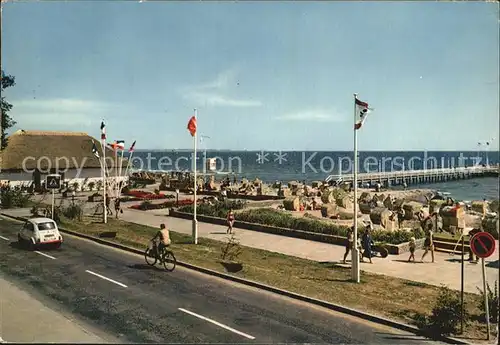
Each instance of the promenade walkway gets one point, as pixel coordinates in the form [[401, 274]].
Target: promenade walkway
[[445, 270]]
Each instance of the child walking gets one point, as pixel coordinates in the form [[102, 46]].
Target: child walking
[[412, 249]]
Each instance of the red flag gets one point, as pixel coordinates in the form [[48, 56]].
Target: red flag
[[192, 126]]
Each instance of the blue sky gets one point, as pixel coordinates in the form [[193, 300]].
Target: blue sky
[[264, 75]]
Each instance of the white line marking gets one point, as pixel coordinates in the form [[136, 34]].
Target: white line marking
[[217, 323], [46, 255], [3, 238], [105, 278]]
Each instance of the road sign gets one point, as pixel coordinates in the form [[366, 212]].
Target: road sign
[[53, 181], [482, 244]]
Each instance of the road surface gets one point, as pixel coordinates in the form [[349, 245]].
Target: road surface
[[116, 294]]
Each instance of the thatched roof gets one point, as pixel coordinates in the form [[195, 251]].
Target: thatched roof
[[62, 149]]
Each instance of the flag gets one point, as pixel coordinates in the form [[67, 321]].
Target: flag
[[131, 149], [362, 110], [103, 130], [192, 126], [94, 150], [120, 144]]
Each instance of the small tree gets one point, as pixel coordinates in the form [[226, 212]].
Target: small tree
[[75, 186], [91, 185], [492, 302], [231, 250], [446, 314], [7, 121]]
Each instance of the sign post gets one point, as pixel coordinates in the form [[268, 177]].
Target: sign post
[[483, 245], [462, 275], [53, 182]]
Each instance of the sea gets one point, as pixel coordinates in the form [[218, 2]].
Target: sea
[[308, 166]]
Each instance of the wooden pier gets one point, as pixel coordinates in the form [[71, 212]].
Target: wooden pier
[[412, 177]]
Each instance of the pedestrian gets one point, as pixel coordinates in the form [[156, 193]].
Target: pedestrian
[[118, 208], [428, 244], [349, 243], [230, 221], [367, 244], [412, 249], [473, 259], [108, 205], [401, 217]]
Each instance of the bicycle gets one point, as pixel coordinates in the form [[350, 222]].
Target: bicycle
[[166, 257]]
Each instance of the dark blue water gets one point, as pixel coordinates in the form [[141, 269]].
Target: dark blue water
[[270, 166]]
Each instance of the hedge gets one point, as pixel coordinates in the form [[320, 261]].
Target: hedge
[[219, 209], [270, 217]]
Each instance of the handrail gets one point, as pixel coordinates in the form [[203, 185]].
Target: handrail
[[414, 173]]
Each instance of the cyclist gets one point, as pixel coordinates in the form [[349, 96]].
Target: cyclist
[[163, 236]]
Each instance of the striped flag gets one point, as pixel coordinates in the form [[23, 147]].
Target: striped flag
[[131, 149], [94, 150], [120, 144], [103, 130], [362, 111]]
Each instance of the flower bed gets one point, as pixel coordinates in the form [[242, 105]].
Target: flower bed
[[146, 205], [144, 195]]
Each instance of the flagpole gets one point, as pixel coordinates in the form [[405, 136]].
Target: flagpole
[[121, 162], [355, 250], [195, 220], [128, 164], [103, 146], [120, 183]]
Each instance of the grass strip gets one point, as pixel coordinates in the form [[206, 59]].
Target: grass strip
[[386, 296]]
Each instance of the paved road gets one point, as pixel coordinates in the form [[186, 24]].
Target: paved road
[[26, 319], [119, 295]]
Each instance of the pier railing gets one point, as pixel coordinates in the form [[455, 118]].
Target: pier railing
[[422, 175]]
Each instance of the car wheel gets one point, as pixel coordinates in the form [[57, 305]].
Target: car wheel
[[31, 245], [19, 239]]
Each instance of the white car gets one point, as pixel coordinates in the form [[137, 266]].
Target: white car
[[40, 232]]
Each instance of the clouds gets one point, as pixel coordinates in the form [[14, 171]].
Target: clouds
[[217, 92], [61, 113], [313, 115]]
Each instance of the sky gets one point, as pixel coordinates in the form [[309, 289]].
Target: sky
[[263, 75]]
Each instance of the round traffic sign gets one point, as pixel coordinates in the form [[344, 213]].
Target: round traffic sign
[[482, 244]]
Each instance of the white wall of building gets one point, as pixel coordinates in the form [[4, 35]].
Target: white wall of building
[[71, 176]]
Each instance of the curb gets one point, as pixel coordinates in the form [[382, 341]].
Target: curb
[[321, 303]]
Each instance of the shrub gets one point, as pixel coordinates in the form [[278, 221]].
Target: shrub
[[285, 220], [73, 211], [91, 185], [492, 303], [145, 205], [219, 209], [14, 198], [231, 250], [446, 314], [397, 236]]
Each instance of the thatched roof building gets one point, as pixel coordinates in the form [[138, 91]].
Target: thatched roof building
[[64, 150]]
